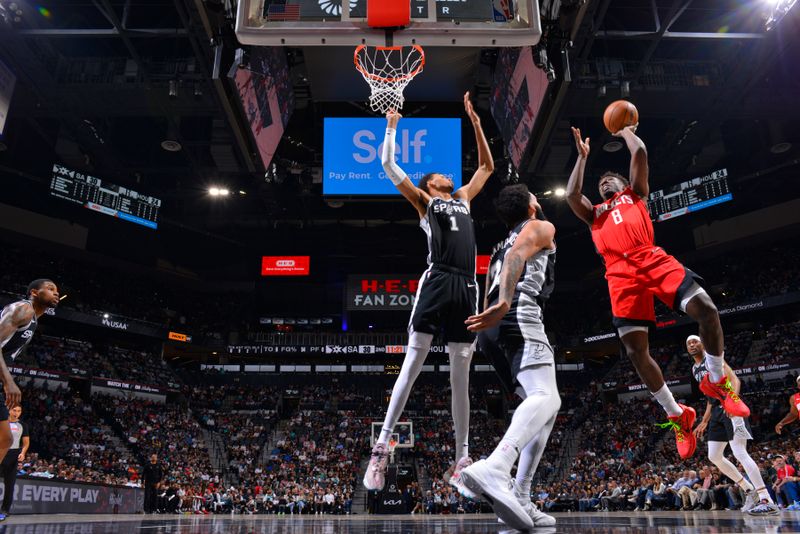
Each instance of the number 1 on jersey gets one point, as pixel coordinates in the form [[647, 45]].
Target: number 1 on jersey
[[454, 224]]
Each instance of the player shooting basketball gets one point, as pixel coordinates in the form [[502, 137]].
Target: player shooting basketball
[[447, 293], [637, 270]]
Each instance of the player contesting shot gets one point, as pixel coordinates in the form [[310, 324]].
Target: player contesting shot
[[520, 279], [447, 293], [637, 270]]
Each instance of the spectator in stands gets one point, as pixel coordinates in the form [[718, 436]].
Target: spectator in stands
[[785, 485], [153, 474]]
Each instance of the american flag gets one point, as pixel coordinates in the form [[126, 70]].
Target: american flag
[[283, 12]]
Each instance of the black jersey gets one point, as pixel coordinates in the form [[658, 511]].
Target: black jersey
[[699, 371], [451, 235], [538, 277], [13, 345]]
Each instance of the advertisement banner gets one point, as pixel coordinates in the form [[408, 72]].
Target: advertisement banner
[[285, 265], [42, 373], [129, 386], [34, 495], [381, 292], [352, 153], [759, 304], [327, 349]]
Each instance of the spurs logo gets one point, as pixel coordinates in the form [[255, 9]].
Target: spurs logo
[[334, 7]]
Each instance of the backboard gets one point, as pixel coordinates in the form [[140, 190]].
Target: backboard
[[404, 434], [445, 23]]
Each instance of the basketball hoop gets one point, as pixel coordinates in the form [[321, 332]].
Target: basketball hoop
[[388, 70]]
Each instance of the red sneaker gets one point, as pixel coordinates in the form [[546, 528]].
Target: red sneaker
[[732, 403], [682, 425]]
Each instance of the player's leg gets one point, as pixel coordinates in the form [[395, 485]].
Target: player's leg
[[418, 346], [463, 302], [491, 477], [679, 287], [681, 418], [764, 504], [460, 360]]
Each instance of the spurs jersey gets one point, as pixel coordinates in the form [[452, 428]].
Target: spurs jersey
[[451, 235], [621, 224], [699, 371], [523, 322], [13, 345]]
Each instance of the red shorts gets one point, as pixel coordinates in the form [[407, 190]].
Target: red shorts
[[635, 279]]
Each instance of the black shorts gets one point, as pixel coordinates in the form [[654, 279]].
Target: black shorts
[[489, 344], [720, 426], [445, 298]]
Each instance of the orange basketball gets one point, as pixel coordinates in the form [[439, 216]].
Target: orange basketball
[[620, 114]]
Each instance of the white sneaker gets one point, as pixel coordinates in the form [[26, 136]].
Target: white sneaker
[[455, 478], [751, 500], [539, 518], [764, 508], [375, 477], [499, 490]]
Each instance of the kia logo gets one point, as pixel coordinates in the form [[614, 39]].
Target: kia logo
[[284, 263]]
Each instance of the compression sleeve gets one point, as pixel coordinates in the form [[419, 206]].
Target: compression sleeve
[[393, 171]]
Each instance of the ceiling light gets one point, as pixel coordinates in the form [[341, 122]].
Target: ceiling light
[[613, 146], [560, 192], [224, 192], [170, 145], [776, 11], [105, 316], [547, 193], [214, 191], [242, 193], [780, 148]]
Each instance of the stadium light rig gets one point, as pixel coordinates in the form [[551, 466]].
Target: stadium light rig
[[776, 11]]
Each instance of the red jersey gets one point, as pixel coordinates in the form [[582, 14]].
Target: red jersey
[[621, 224], [787, 471], [796, 401]]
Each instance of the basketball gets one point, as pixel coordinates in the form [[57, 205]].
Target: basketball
[[620, 114]]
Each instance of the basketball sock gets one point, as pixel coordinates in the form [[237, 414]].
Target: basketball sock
[[715, 366], [530, 417], [460, 358], [418, 346], [667, 401], [739, 449]]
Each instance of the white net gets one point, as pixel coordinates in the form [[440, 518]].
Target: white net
[[388, 70]]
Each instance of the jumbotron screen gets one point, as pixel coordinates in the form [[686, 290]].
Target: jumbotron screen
[[687, 197], [103, 197]]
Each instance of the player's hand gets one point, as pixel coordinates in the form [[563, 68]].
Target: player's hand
[[21, 457], [392, 118], [13, 394], [778, 428], [582, 145], [699, 430], [632, 129], [489, 318], [476, 120]]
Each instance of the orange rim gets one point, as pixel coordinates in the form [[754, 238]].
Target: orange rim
[[372, 76]]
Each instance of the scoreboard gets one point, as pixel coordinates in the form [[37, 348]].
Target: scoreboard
[[690, 196], [103, 197]]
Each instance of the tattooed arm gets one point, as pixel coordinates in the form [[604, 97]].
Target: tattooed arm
[[534, 237], [22, 315]]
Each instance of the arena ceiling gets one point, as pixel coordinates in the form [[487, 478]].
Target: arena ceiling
[[103, 82]]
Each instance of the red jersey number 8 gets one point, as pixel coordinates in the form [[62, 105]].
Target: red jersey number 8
[[617, 216]]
